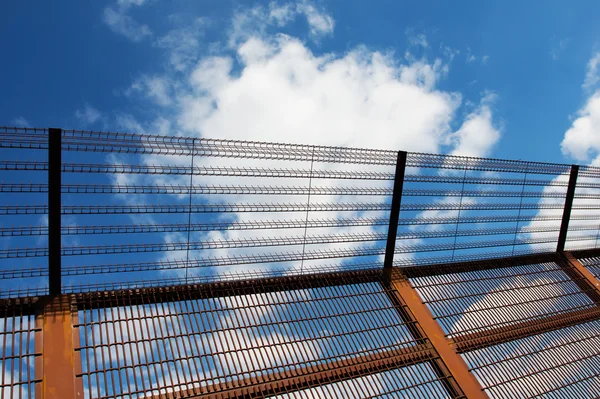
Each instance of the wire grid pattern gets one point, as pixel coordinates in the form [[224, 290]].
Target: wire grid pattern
[[562, 363], [197, 341], [18, 352], [585, 203], [20, 188], [136, 205], [478, 300], [414, 381], [592, 264]]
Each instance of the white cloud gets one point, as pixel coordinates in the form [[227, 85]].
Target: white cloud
[[255, 21], [582, 140], [183, 43], [156, 88], [319, 22], [21, 122], [119, 22], [418, 40], [592, 76], [478, 134], [88, 114], [284, 92]]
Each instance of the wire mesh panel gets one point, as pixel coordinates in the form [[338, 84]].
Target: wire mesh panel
[[414, 381], [459, 208], [557, 364], [592, 263], [203, 339], [23, 211], [19, 354], [473, 301], [185, 209], [585, 233]]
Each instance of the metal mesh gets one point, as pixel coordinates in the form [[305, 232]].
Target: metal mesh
[[19, 353], [23, 188], [415, 381], [202, 340], [592, 264], [478, 300], [557, 364]]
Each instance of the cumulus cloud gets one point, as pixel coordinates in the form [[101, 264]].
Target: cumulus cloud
[[284, 92], [592, 76], [478, 133], [117, 19], [582, 140], [88, 114]]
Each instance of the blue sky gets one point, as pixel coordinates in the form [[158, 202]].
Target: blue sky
[[91, 65]]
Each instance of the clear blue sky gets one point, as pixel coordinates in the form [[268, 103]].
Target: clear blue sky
[[61, 57]]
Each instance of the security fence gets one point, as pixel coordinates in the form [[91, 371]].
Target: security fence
[[140, 265]]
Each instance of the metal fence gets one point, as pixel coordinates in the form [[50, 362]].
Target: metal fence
[[155, 266]]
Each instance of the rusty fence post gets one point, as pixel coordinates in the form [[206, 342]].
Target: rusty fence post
[[431, 330], [59, 379]]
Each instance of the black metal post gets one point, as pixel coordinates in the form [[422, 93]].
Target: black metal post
[[54, 203], [395, 211], [564, 226]]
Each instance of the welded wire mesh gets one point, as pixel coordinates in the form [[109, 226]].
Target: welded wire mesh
[[592, 263], [23, 206], [19, 352], [562, 363], [475, 303], [296, 335], [587, 193], [145, 207]]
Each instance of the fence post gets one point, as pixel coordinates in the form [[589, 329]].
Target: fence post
[[54, 204], [390, 247], [564, 226]]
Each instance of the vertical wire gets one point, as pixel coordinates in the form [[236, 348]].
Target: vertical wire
[[519, 213], [312, 160], [189, 226], [462, 194]]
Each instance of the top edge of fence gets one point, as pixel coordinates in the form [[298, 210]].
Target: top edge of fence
[[414, 158]]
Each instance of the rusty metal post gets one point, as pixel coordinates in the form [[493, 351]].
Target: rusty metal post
[[586, 281], [433, 331], [395, 212], [564, 226], [58, 355]]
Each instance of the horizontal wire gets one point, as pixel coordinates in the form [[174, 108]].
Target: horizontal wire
[[276, 224], [276, 207], [270, 190], [290, 256], [177, 145], [271, 241]]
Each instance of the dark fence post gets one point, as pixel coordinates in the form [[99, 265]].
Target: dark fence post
[[395, 212], [54, 203], [564, 226]]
